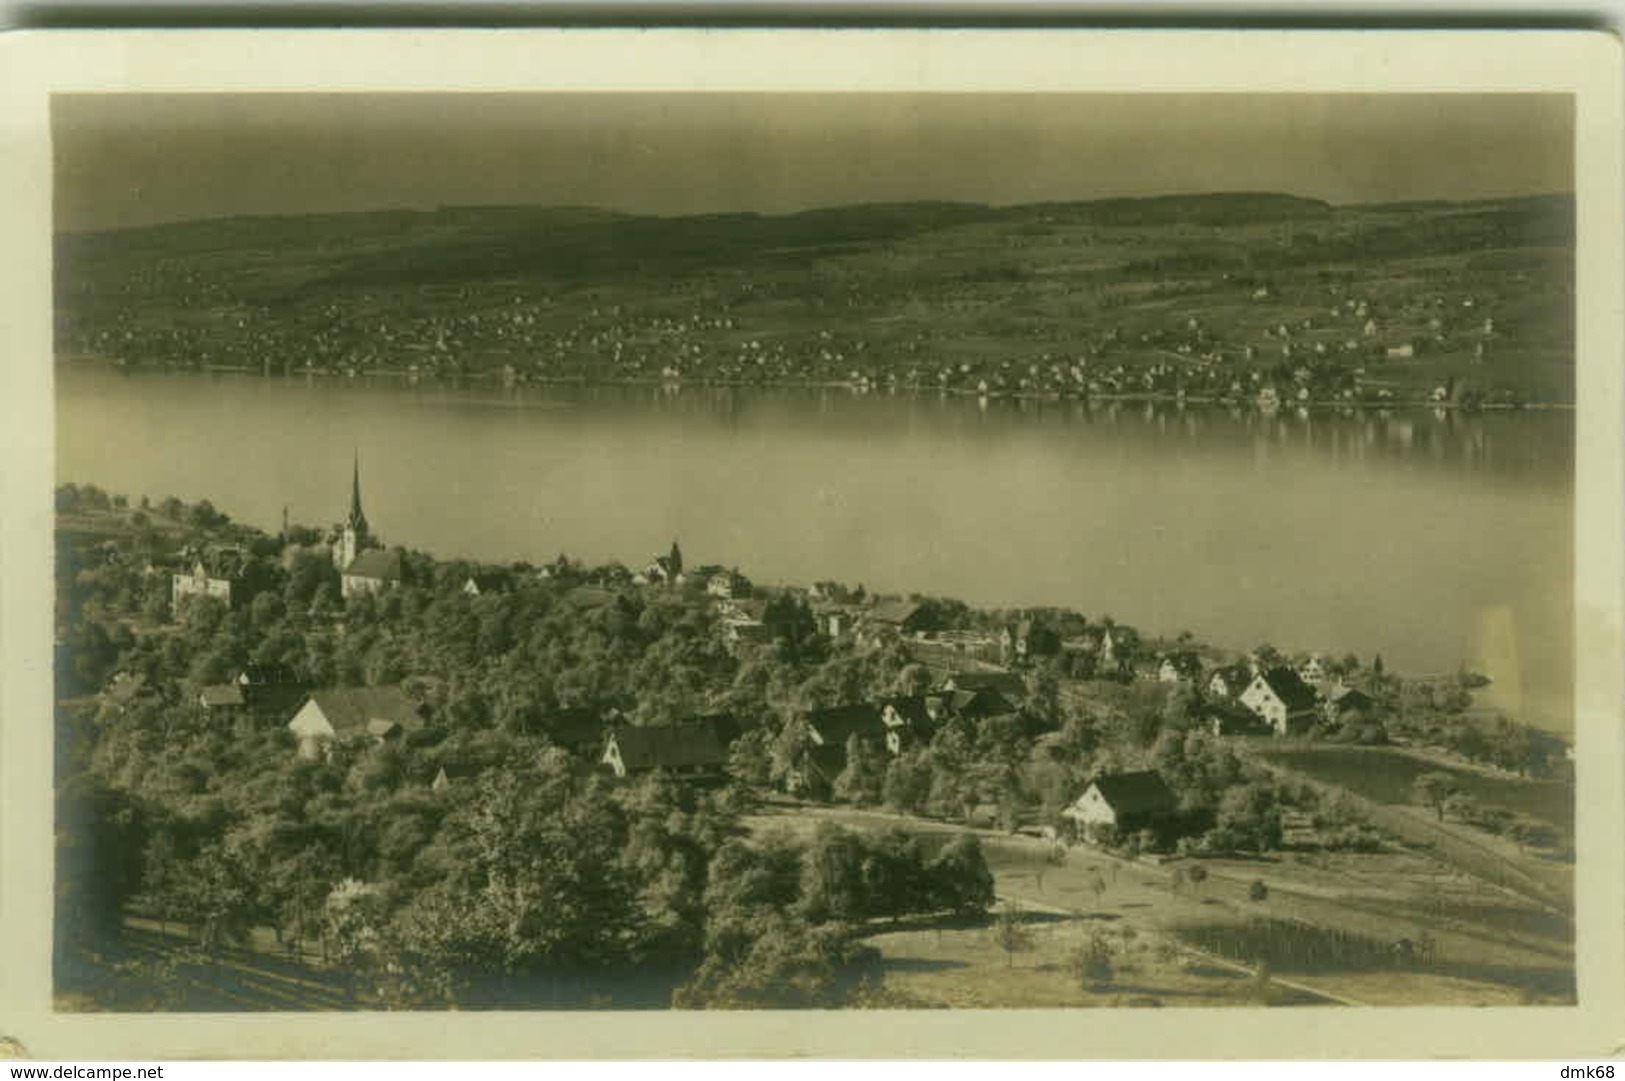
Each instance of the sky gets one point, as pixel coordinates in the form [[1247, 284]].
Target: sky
[[135, 159]]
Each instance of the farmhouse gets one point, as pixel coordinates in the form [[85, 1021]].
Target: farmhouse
[[1281, 699], [220, 573], [352, 714], [1124, 801], [1181, 666]]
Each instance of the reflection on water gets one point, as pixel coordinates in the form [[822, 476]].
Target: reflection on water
[[1431, 538]]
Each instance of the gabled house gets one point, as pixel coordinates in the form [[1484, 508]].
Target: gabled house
[[1312, 671], [1125, 801], [1282, 700], [371, 572], [693, 750], [353, 715], [907, 721]]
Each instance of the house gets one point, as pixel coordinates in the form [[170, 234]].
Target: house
[[1405, 351], [979, 703], [1340, 699], [372, 572], [1128, 802], [1312, 671], [1231, 718], [270, 689], [907, 720], [352, 714], [1026, 639], [221, 573], [483, 583], [692, 750], [1229, 681], [1282, 700], [222, 700], [728, 584], [899, 617], [993, 679], [1180, 666], [832, 727], [743, 630], [201, 581]]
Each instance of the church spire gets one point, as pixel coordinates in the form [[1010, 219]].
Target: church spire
[[357, 520]]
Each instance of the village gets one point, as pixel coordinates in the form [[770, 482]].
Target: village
[[418, 684], [1261, 303]]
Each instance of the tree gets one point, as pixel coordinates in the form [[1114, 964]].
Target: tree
[[1433, 789], [1258, 891], [1011, 935], [1091, 963], [864, 776], [1196, 874], [960, 878]]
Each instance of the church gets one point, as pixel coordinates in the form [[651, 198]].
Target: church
[[364, 565]]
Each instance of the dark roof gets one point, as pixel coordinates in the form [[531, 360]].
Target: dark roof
[[257, 673], [221, 694], [1290, 688], [997, 680], [350, 709], [1350, 698], [835, 724], [1185, 662], [1136, 793], [672, 746], [983, 702], [722, 725], [899, 612], [911, 708], [489, 581], [376, 563]]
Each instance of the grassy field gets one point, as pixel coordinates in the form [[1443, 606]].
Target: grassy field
[[1388, 775], [1489, 946]]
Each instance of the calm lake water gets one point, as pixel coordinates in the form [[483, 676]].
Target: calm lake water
[[1430, 539]]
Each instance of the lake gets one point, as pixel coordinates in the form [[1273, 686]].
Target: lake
[[1434, 539]]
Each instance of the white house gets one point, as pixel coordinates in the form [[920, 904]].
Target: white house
[[1127, 801], [1280, 699]]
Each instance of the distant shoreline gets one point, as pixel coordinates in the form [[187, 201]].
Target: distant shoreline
[[859, 388]]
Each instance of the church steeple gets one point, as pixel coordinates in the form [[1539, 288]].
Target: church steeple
[[357, 520]]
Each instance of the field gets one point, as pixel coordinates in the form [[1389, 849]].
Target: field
[[1331, 929], [1387, 775]]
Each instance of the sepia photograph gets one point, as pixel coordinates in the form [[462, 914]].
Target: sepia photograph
[[756, 549]]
